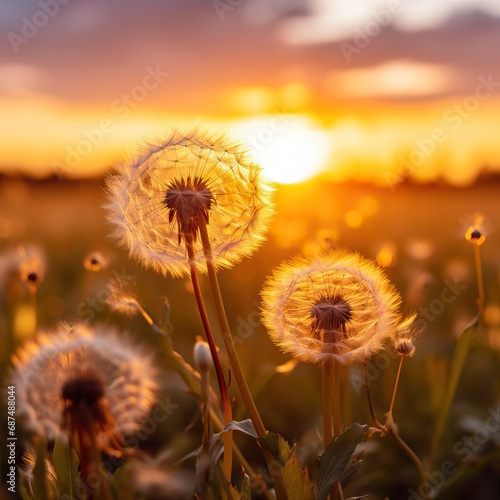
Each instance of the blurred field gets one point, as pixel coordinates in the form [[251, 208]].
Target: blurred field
[[416, 232]]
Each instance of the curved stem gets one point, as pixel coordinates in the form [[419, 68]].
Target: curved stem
[[235, 363], [390, 428], [389, 414]]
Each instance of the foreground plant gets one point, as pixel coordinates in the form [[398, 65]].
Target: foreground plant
[[335, 309], [87, 387], [195, 203]]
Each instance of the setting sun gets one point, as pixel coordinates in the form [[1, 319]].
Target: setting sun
[[289, 148]]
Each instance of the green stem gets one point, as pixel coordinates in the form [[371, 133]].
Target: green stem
[[235, 363]]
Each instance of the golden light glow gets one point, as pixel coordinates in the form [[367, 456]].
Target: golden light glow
[[289, 148], [395, 78], [353, 219]]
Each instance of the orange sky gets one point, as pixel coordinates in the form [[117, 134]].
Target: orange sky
[[376, 103]]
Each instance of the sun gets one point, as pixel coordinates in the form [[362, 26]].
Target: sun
[[289, 148]]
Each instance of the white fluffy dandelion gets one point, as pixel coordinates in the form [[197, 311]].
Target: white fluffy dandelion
[[184, 194], [77, 370], [339, 306]]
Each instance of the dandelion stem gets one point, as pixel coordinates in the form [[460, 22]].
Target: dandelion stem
[[337, 426], [480, 283], [389, 413], [226, 405], [390, 428], [144, 314], [235, 362], [327, 373]]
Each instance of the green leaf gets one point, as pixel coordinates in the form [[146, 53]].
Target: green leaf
[[296, 480], [457, 364], [297, 483], [277, 446], [66, 468], [333, 463], [41, 487], [219, 486]]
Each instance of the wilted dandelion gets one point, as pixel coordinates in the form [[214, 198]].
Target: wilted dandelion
[[339, 306], [87, 386], [188, 188]]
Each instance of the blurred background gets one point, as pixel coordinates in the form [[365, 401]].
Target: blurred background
[[377, 119]]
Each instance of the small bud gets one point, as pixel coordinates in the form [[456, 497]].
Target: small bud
[[202, 356], [405, 347], [95, 262], [475, 234]]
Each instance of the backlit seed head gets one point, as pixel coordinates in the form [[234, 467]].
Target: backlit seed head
[[162, 201], [62, 378], [338, 305]]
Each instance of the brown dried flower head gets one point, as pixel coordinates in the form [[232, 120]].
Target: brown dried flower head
[[176, 195], [339, 305], [404, 337]]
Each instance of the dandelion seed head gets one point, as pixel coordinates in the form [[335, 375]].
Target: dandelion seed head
[[121, 298], [338, 305], [161, 200], [58, 372], [404, 337]]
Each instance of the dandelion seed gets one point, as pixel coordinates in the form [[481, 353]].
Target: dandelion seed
[[161, 201], [338, 306], [58, 375]]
